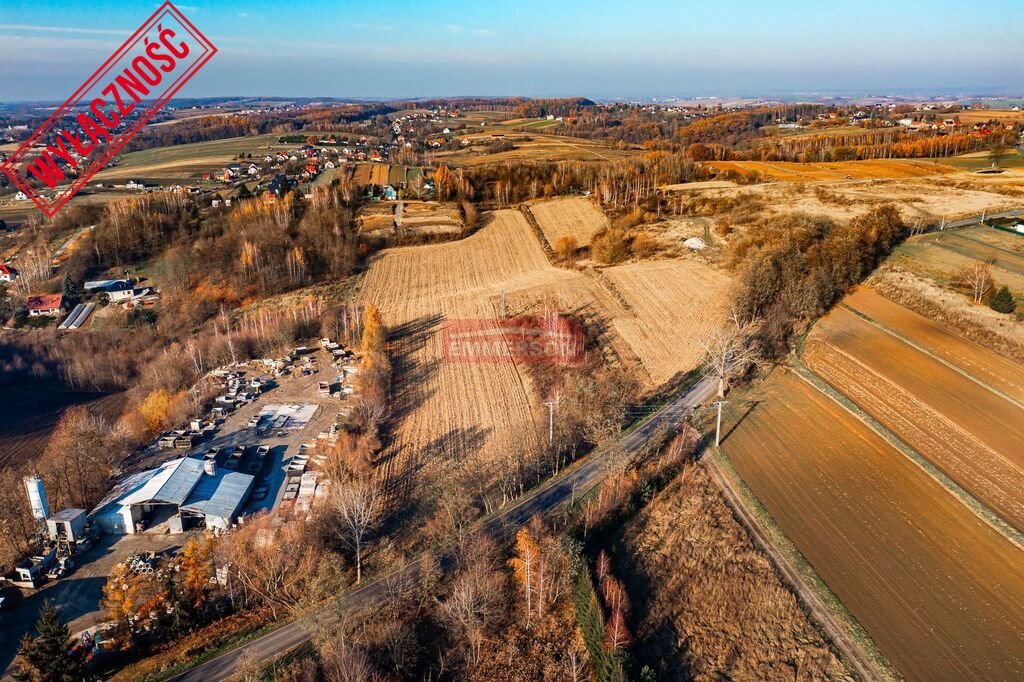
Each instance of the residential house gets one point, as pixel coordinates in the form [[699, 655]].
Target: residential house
[[7, 274], [120, 290], [253, 169], [135, 184], [45, 304], [278, 186], [390, 194], [21, 196]]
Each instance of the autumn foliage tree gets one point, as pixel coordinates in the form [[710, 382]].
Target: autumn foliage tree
[[154, 409], [196, 569]]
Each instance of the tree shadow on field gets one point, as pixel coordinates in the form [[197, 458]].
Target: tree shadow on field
[[451, 447], [411, 376]]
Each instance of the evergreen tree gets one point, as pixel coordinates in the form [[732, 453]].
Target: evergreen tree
[[1002, 301], [69, 290], [49, 657]]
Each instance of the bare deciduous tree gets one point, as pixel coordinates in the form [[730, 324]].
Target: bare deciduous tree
[[977, 279], [356, 507], [471, 606], [730, 352]]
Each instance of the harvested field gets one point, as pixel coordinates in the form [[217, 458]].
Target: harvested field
[[574, 217], [376, 218], [187, 160], [786, 171], [936, 588], [423, 217], [538, 147], [28, 418], [982, 363], [371, 174], [710, 605], [954, 196], [941, 256], [968, 431], [1001, 239], [966, 244], [675, 304], [489, 408], [444, 408]]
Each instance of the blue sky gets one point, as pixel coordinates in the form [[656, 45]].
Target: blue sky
[[529, 47]]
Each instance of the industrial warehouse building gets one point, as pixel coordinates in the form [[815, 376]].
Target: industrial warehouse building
[[183, 493]]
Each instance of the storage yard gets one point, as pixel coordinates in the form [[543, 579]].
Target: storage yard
[[258, 449]]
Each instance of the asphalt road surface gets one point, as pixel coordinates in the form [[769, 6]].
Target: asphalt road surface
[[591, 471]]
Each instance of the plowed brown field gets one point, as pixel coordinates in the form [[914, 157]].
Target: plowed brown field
[[937, 589], [989, 367], [574, 217], [969, 432]]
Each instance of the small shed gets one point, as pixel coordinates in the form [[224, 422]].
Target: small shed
[[67, 524]]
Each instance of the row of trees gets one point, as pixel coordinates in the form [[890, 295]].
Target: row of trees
[[793, 269]]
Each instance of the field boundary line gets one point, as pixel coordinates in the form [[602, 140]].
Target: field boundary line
[[952, 487], [854, 645], [532, 220], [608, 285], [896, 335]]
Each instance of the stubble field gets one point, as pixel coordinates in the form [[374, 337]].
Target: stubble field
[[459, 409], [936, 588], [676, 304], [574, 217], [786, 171]]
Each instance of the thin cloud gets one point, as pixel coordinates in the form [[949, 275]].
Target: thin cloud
[[483, 31], [64, 29], [454, 28]]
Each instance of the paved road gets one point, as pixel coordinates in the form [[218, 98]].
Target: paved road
[[582, 477], [974, 220]]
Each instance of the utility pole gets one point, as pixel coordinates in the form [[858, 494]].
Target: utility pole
[[718, 426], [551, 405]]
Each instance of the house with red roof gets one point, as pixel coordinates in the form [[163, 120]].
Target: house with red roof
[[45, 304], [7, 274]]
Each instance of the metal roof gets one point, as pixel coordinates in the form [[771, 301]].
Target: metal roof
[[170, 484], [219, 495]]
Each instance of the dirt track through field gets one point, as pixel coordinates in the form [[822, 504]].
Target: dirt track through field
[[937, 589]]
